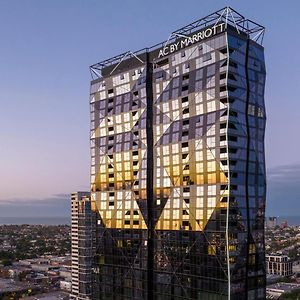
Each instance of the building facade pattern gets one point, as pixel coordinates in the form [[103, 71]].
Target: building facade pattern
[[178, 170], [83, 229], [279, 265]]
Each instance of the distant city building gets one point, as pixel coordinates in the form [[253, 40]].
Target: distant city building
[[271, 222], [83, 245], [284, 224], [178, 165], [279, 265], [66, 286], [276, 290]]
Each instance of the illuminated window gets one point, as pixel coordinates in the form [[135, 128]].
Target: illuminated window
[[211, 250], [232, 247], [211, 178]]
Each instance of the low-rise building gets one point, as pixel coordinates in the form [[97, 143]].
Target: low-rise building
[[279, 265], [274, 291], [65, 285]]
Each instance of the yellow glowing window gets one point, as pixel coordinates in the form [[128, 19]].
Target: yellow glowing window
[[166, 150], [119, 128], [199, 214], [211, 178], [127, 166], [176, 214], [232, 260], [103, 132], [252, 249], [211, 166], [209, 212], [176, 203], [211, 202], [158, 162], [118, 166], [103, 196], [175, 104], [175, 148], [93, 170], [166, 160], [199, 202], [166, 107], [127, 175], [200, 190], [199, 109], [211, 250], [175, 113], [158, 172], [126, 117], [232, 247], [211, 189], [175, 159], [126, 155], [176, 170], [199, 155], [211, 106], [103, 168], [210, 154], [118, 119]]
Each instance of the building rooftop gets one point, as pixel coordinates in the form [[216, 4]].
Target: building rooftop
[[49, 296], [227, 15], [283, 287], [9, 285]]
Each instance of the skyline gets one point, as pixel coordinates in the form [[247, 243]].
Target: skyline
[[46, 149]]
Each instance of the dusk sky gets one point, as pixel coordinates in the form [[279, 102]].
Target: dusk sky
[[46, 49]]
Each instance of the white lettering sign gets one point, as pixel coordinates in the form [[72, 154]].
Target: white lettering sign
[[197, 37]]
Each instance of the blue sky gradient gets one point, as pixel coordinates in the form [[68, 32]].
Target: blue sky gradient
[[46, 49]]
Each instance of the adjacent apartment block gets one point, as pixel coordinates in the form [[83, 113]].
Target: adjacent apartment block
[[279, 265], [178, 165], [83, 223]]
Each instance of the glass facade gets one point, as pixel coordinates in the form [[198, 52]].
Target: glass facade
[[178, 172]]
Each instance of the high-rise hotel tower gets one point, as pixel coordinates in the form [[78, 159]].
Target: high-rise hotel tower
[[178, 166]]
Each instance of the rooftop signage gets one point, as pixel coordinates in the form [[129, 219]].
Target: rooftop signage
[[190, 40]]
